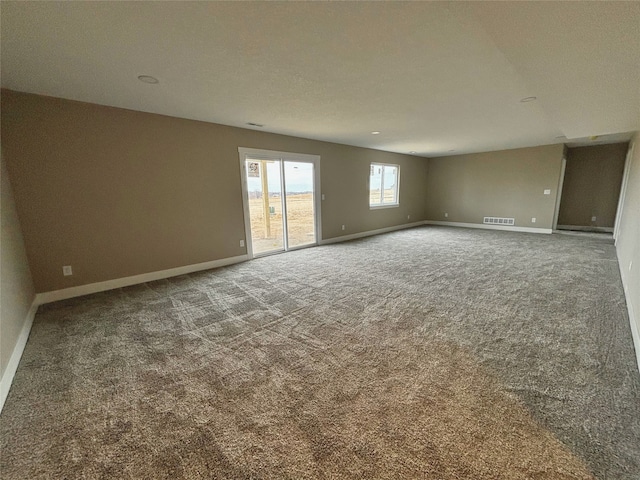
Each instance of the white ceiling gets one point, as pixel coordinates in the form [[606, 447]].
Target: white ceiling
[[432, 77]]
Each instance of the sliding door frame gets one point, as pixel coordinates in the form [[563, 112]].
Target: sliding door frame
[[243, 154]]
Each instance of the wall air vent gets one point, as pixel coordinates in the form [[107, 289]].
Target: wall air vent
[[499, 221]]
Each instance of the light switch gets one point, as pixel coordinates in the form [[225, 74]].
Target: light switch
[[547, 191]]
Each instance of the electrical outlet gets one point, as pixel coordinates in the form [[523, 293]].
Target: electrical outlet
[[66, 270], [323, 196], [342, 227], [242, 243], [408, 217], [547, 191], [593, 219], [533, 219], [446, 215]]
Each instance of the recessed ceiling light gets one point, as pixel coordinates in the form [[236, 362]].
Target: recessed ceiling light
[[528, 99], [413, 151], [255, 124], [148, 79], [375, 133]]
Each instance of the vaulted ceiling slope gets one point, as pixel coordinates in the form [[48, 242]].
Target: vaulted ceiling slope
[[432, 77]]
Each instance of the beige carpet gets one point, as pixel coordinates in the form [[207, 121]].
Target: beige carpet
[[429, 353]]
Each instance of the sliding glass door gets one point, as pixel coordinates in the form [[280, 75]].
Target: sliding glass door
[[280, 201]]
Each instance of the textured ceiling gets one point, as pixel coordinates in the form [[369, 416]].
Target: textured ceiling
[[430, 76]]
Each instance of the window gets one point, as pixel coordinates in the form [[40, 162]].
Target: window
[[383, 185]]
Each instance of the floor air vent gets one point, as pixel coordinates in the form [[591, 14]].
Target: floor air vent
[[499, 221]]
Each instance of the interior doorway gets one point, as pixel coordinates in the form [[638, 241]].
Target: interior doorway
[[280, 200], [590, 187]]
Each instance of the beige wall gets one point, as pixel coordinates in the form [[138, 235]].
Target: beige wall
[[628, 241], [506, 183], [16, 288], [115, 192], [592, 185]]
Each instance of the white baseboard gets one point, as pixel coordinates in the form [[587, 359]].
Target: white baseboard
[[16, 355], [634, 329], [65, 293], [490, 227], [369, 233], [585, 229]]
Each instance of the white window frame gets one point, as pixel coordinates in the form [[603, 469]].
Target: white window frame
[[377, 206]]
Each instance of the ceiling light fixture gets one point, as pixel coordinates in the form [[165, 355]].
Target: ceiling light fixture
[[375, 133], [528, 99], [413, 151], [148, 79]]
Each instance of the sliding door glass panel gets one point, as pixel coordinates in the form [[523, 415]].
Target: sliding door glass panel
[[264, 187], [301, 225]]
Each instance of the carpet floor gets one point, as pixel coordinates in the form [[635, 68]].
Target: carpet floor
[[431, 353]]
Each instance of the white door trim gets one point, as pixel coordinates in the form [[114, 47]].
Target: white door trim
[[623, 191], [244, 152], [559, 194]]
